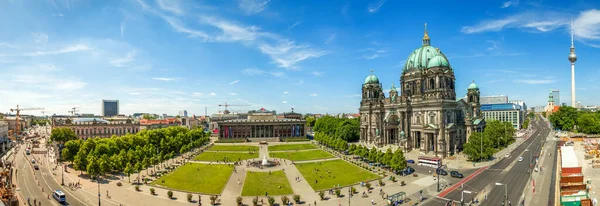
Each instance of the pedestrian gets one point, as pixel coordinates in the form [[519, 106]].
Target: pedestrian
[[315, 203]]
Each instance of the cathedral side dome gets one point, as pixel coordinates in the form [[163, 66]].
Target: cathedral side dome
[[372, 79], [473, 86]]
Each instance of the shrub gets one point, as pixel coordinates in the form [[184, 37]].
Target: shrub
[[381, 182], [393, 178], [295, 139], [119, 184], [189, 197], [137, 188], [352, 190], [238, 200], [170, 194], [285, 200], [368, 185], [255, 201], [271, 201], [296, 198], [322, 195], [337, 192], [152, 191], [213, 199]]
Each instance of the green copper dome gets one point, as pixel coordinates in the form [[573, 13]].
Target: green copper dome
[[473, 85], [372, 79], [438, 61]]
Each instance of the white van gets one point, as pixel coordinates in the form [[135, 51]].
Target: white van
[[59, 196]]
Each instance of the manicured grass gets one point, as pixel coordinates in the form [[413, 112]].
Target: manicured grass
[[196, 177], [257, 183], [233, 148], [284, 147], [220, 156], [341, 173], [302, 155]]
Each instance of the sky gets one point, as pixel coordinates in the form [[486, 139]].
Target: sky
[[162, 56]]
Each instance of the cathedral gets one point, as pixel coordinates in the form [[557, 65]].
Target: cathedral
[[423, 113]]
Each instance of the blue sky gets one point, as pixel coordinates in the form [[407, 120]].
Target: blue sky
[[166, 55]]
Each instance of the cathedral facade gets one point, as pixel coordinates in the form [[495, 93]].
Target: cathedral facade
[[424, 112]]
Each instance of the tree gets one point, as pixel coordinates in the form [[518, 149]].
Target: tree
[[565, 118], [71, 149], [398, 161], [296, 198], [310, 121], [148, 116], [62, 135], [271, 200], [477, 142], [93, 166], [526, 124], [500, 132], [589, 123], [129, 171]]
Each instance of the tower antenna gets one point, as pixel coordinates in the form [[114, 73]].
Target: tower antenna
[[572, 34]]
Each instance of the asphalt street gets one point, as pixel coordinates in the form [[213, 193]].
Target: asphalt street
[[506, 171], [27, 182]]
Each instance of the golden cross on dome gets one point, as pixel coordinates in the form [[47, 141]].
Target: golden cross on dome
[[371, 71]]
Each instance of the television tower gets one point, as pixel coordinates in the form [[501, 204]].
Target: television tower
[[572, 59]]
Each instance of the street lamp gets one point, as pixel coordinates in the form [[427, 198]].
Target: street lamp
[[505, 192], [462, 196], [349, 195], [98, 180]]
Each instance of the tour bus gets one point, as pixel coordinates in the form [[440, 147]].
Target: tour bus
[[59, 196], [434, 162]]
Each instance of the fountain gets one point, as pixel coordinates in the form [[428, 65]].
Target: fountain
[[263, 163]]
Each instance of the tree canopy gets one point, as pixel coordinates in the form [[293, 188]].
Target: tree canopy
[[565, 118], [501, 133], [347, 129], [131, 152], [148, 116], [395, 160], [62, 135], [477, 142]]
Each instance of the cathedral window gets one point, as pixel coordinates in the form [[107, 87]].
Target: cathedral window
[[432, 83]]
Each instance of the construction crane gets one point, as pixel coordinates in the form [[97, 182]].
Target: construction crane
[[229, 105], [73, 111], [18, 111]]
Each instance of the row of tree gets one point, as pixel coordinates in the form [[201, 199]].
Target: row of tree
[[41, 122], [344, 128], [331, 141], [569, 119], [395, 160], [132, 152], [483, 145], [526, 123]]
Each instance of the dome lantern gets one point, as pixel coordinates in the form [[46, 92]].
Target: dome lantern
[[426, 37]]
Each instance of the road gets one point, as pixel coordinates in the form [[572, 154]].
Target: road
[[507, 171]]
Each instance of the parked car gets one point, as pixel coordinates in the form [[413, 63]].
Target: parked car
[[456, 174], [32, 161], [507, 155], [441, 172], [36, 167], [406, 171], [410, 161], [520, 159]]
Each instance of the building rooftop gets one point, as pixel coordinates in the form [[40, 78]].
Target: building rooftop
[[259, 120], [81, 120], [568, 157], [503, 106]]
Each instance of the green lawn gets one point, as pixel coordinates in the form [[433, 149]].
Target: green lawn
[[233, 148], [220, 156], [284, 147], [342, 173], [257, 183], [302, 155], [196, 177]]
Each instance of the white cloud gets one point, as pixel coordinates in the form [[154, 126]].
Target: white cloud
[[4, 44], [234, 82], [294, 25], [375, 7], [373, 56], [318, 74], [285, 92], [313, 95], [69, 49], [299, 83], [134, 93], [40, 38], [510, 3], [253, 72], [253, 6], [213, 94], [287, 53], [170, 5], [587, 25], [182, 29], [233, 94], [122, 29], [166, 79], [285, 102], [197, 94], [124, 61], [330, 39], [536, 21]]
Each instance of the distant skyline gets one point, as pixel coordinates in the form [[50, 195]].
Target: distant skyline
[[163, 56]]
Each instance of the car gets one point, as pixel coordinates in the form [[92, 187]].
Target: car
[[410, 161], [441, 172], [32, 161], [456, 174], [36, 167], [59, 196], [520, 159], [507, 155], [406, 171]]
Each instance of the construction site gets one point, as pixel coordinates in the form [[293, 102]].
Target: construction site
[[578, 168]]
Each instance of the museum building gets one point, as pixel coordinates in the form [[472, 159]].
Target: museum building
[[262, 124]]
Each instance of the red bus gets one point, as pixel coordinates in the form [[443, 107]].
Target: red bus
[[434, 162]]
